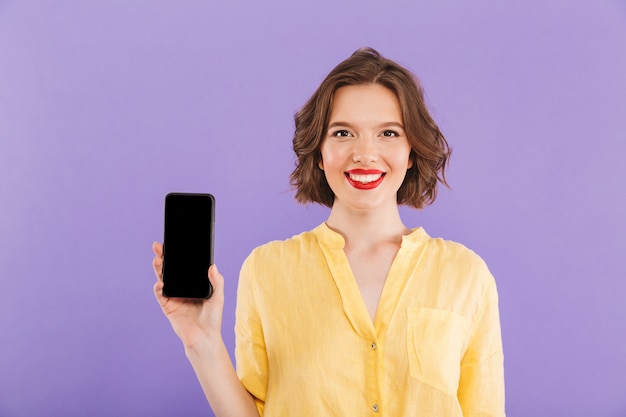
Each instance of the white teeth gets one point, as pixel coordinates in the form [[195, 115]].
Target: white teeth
[[364, 179]]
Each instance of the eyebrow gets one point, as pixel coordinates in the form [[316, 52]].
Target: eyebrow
[[349, 125]]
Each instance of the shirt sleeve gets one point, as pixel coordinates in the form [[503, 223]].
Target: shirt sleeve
[[481, 385], [250, 352]]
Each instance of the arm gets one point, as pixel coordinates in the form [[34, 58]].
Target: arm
[[481, 387], [221, 386], [198, 324], [251, 351]]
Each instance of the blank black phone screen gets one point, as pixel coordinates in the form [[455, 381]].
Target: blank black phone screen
[[188, 245]]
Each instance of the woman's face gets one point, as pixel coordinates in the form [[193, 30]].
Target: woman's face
[[365, 153]]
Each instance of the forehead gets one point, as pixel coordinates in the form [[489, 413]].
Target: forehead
[[366, 102]]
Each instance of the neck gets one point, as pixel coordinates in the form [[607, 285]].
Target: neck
[[366, 228]]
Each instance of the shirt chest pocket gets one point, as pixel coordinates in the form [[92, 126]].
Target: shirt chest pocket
[[436, 341]]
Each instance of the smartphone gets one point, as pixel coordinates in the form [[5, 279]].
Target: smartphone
[[188, 245]]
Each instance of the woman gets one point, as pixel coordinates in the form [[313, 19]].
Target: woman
[[362, 315]]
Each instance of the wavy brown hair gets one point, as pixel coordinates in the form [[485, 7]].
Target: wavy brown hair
[[429, 148]]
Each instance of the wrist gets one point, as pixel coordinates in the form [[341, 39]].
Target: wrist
[[203, 347]]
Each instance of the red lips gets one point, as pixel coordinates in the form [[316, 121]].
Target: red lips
[[365, 179]]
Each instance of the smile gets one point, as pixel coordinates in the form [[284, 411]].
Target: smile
[[365, 179]]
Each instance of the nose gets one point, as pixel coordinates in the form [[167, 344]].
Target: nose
[[365, 151]]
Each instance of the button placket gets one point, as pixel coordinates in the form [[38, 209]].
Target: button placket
[[374, 369]]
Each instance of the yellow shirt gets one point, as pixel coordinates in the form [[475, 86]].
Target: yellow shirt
[[306, 346]]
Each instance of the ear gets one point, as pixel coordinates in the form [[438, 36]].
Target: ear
[[409, 164], [320, 164]]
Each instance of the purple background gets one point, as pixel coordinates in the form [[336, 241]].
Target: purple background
[[105, 106]]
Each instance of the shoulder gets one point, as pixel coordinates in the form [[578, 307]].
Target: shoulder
[[457, 261], [455, 252], [281, 252], [285, 247]]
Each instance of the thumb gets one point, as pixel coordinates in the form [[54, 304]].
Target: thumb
[[217, 281]]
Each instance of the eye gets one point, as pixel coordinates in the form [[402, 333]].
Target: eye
[[390, 133], [342, 133]]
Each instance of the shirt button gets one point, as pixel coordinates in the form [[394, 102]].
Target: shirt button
[[375, 408], [373, 345]]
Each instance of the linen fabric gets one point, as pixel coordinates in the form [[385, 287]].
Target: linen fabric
[[306, 345]]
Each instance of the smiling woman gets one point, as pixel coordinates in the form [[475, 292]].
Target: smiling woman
[[361, 151], [362, 314], [429, 149]]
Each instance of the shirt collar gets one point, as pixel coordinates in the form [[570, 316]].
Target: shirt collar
[[333, 239]]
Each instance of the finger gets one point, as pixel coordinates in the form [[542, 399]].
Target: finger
[[157, 265], [157, 248]]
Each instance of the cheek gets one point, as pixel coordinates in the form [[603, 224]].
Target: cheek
[[407, 157], [329, 159], [401, 158]]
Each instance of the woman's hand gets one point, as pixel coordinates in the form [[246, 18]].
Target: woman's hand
[[196, 322]]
